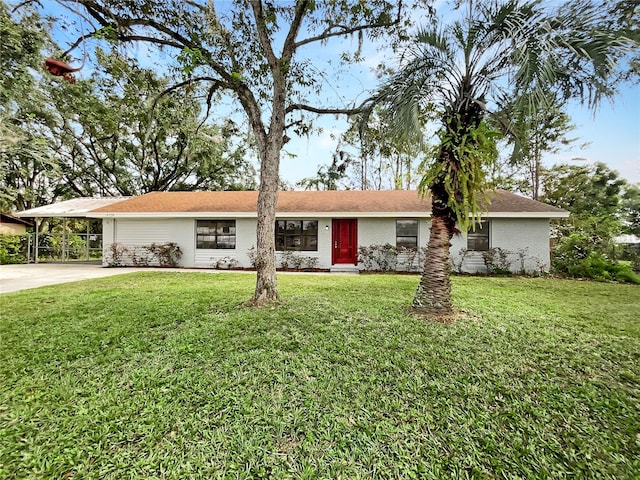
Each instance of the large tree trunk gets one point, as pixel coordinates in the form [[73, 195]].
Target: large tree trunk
[[266, 282], [433, 297], [269, 147]]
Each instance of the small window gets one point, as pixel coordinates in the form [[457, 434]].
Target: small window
[[478, 239], [216, 234], [407, 232], [297, 235]]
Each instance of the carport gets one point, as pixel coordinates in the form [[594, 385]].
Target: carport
[[77, 208]]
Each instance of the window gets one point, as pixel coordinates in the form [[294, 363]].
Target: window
[[301, 235], [478, 239], [407, 232], [216, 234]]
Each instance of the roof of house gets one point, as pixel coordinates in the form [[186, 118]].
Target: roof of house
[[6, 218], [330, 203], [77, 207]]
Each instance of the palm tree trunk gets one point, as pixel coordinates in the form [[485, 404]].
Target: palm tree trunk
[[433, 296]]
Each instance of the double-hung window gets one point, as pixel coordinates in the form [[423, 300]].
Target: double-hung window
[[215, 234], [297, 235], [407, 232], [478, 239]]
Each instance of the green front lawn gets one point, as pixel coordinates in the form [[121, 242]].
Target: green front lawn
[[167, 375]]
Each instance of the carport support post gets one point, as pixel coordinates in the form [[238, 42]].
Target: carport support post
[[64, 238], [87, 238], [37, 242]]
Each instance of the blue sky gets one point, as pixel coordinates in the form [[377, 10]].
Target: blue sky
[[613, 132]]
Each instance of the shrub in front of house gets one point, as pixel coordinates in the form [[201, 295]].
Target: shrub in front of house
[[166, 254], [140, 256], [298, 261], [457, 262], [410, 259], [386, 258], [291, 260], [496, 260], [252, 255], [115, 255], [311, 262], [226, 263], [285, 259], [379, 257]]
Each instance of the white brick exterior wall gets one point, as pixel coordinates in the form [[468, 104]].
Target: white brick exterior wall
[[515, 234], [506, 233], [108, 233], [531, 236]]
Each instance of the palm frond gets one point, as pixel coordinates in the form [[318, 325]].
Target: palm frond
[[524, 53]]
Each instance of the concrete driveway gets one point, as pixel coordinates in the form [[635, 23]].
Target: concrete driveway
[[33, 275]]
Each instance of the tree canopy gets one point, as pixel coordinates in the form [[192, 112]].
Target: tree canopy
[[587, 190], [110, 133], [601, 203], [27, 165], [602, 206], [119, 137], [531, 134]]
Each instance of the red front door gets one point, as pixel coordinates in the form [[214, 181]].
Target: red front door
[[344, 236]]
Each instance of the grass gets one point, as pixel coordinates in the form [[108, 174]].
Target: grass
[[167, 375]]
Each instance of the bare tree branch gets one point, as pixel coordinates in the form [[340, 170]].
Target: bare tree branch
[[189, 81], [141, 38], [22, 4], [196, 5], [364, 106], [75, 44], [263, 36], [290, 45], [347, 30]]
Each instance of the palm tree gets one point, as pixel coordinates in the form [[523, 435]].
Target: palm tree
[[498, 53]]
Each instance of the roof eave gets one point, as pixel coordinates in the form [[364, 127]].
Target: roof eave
[[254, 215], [558, 214]]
